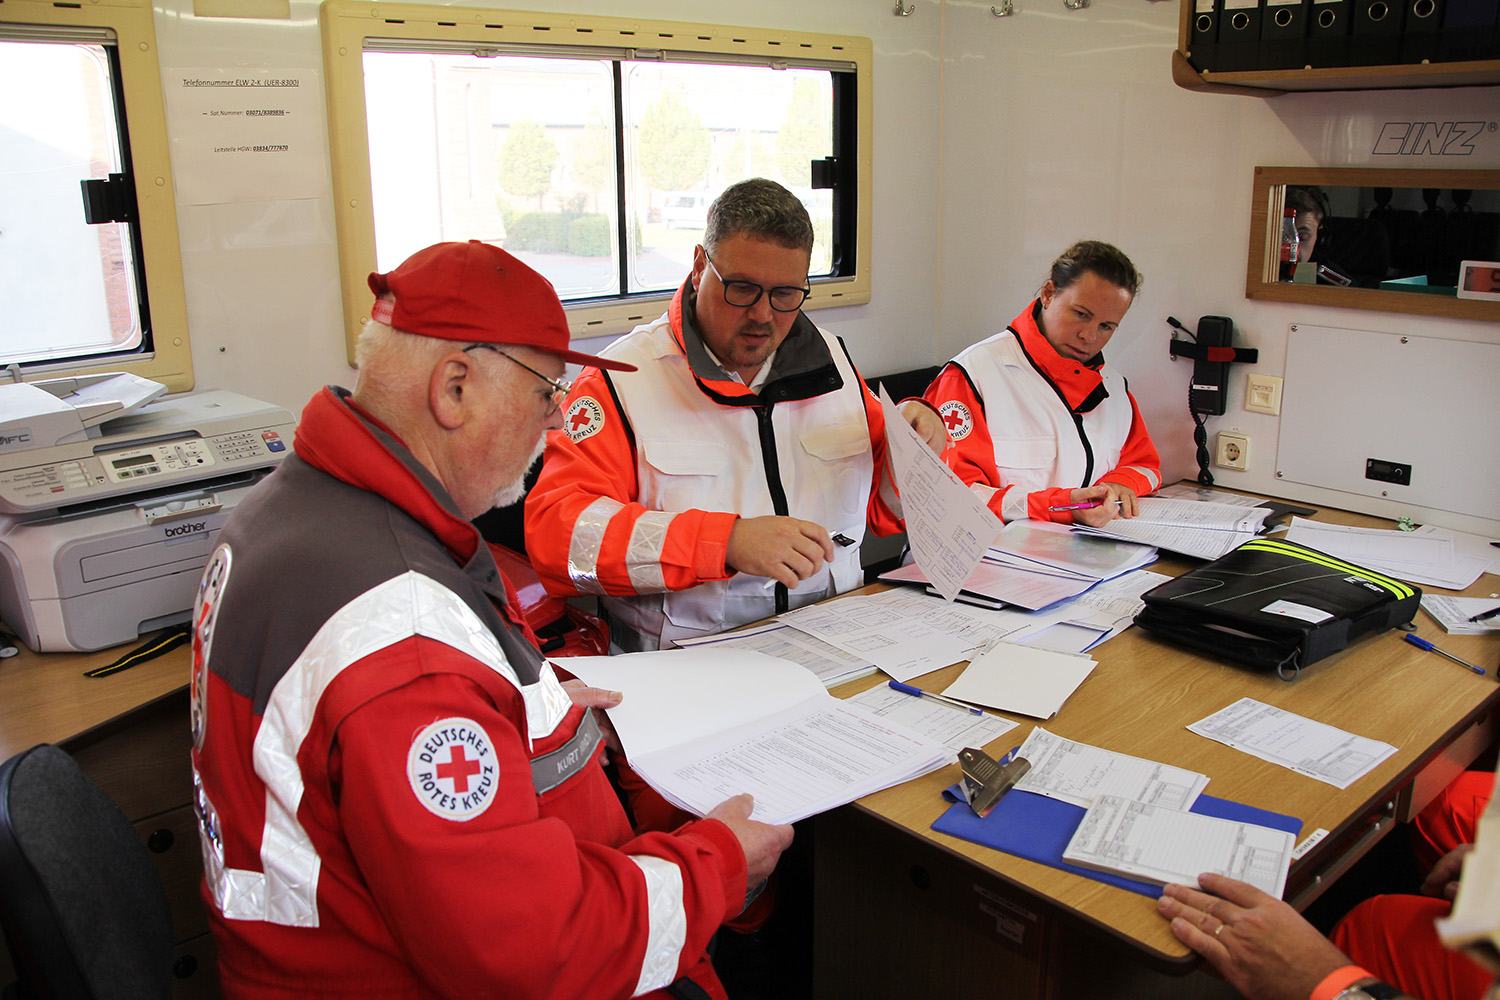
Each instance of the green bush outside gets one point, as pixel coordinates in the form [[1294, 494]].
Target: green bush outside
[[588, 236], [583, 235]]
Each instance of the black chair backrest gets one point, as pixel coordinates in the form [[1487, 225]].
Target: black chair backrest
[[82, 906]]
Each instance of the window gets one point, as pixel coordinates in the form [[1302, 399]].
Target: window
[[96, 287], [588, 147]]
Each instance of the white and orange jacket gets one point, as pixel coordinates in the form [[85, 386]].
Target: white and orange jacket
[[1029, 426], [640, 489]]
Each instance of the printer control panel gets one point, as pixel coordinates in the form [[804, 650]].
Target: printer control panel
[[159, 464]]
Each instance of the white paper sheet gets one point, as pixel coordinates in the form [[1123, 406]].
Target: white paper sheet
[[1426, 556], [953, 727], [900, 638], [829, 664], [1010, 584], [1198, 542], [947, 526], [1078, 773], [1027, 680], [1311, 748], [702, 727], [1164, 845]]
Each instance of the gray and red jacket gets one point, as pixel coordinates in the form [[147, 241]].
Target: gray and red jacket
[[396, 798]]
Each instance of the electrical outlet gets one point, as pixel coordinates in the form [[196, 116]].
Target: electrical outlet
[[1263, 393], [1232, 451]]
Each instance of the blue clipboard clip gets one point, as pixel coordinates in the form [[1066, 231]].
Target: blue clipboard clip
[[986, 780]]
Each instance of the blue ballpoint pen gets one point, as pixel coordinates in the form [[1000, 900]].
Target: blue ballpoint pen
[[916, 692], [1421, 643]]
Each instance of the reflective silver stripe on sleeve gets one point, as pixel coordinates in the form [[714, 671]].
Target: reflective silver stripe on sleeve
[[666, 921], [550, 770], [1013, 504], [648, 539], [285, 890], [1150, 475], [583, 547]]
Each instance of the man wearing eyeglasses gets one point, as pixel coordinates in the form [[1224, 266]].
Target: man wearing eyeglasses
[[396, 794], [733, 476]]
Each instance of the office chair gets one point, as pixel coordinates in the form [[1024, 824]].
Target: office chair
[[84, 911]]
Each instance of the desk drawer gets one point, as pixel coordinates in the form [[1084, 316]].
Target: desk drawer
[[195, 970], [172, 839], [143, 765]]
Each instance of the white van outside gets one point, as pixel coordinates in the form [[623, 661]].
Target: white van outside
[[686, 209]]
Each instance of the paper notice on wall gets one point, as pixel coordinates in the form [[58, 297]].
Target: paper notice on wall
[[246, 135]]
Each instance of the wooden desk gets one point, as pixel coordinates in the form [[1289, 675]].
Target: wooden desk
[[903, 911], [129, 733]]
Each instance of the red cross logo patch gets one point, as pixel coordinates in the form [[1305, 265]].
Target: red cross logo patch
[[957, 419], [452, 769], [584, 418]]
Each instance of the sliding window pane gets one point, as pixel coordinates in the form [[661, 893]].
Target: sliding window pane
[[693, 130], [519, 152], [67, 288]]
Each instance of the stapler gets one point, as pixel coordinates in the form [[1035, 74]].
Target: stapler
[[986, 780]]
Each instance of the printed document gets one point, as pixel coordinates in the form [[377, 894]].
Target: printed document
[[829, 664], [1044, 547], [947, 526], [701, 727], [1426, 556], [1024, 588], [1453, 613], [905, 634], [1312, 748], [1161, 845], [953, 727], [1078, 773]]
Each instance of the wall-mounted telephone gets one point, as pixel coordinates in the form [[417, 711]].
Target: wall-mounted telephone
[[1209, 390]]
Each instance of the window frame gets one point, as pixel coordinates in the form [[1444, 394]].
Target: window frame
[[169, 360], [345, 25]]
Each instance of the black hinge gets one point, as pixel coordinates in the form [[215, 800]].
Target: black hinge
[[111, 200], [825, 172]]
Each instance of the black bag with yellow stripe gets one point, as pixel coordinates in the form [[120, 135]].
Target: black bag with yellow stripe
[[1276, 604]]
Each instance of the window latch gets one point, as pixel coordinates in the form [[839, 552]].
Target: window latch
[[108, 200], [825, 172]]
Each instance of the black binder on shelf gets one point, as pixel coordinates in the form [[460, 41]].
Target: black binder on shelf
[[1203, 39], [1328, 32], [1239, 35], [1283, 34], [1467, 30], [1375, 35], [1419, 34]]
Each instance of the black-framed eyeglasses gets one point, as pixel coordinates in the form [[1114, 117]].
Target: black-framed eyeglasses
[[743, 294], [560, 388]]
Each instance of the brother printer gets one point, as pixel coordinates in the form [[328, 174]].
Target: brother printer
[[111, 500]]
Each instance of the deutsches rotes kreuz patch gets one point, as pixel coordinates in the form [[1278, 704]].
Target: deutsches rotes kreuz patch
[[957, 419], [452, 769], [585, 417]]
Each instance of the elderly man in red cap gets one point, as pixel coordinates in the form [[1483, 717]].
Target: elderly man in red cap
[[396, 795]]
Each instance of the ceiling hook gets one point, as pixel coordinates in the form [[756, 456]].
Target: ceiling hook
[[901, 11], [1006, 10]]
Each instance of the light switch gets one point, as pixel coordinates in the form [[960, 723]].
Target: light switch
[[1263, 393]]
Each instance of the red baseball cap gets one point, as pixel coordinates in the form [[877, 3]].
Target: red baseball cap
[[477, 293]]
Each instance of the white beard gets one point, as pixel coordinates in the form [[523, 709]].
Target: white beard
[[513, 491]]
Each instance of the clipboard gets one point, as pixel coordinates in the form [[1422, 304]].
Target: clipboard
[[1038, 828]]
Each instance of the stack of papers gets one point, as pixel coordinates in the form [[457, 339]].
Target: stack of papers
[[828, 663], [1059, 550], [1202, 530], [703, 728], [1138, 822], [953, 727], [1428, 555], [1453, 613]]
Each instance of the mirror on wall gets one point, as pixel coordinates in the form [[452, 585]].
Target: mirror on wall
[[1372, 238]]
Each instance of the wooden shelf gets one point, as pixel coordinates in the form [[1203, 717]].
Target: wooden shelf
[[1275, 82]]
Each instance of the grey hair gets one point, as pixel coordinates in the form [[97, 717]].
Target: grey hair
[[760, 208]]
